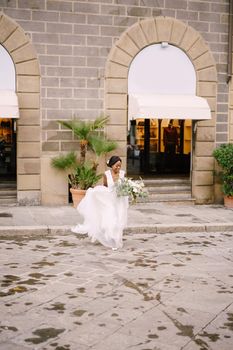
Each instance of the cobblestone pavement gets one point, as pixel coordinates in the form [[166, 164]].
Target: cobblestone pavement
[[160, 291]]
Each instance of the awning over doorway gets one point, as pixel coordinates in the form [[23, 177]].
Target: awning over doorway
[[8, 104], [168, 107]]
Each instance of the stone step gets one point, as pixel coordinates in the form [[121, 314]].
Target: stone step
[[169, 189], [168, 197], [7, 193], [174, 195], [170, 201], [8, 201], [7, 185], [175, 190], [166, 181]]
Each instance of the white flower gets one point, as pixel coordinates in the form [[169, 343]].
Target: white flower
[[131, 188]]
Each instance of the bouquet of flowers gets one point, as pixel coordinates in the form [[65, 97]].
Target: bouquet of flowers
[[134, 189]]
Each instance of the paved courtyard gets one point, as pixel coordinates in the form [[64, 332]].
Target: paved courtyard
[[160, 291]]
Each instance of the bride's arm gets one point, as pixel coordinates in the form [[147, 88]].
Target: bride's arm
[[105, 183]]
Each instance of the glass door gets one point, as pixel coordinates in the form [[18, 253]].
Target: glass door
[[142, 146], [7, 149], [159, 146]]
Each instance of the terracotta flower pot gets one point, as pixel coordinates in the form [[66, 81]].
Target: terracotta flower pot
[[228, 201], [77, 196]]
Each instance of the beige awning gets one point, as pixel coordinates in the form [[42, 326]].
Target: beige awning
[[8, 104], [168, 107]]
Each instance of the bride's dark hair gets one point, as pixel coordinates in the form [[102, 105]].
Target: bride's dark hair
[[113, 160]]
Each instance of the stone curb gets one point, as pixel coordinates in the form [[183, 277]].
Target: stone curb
[[225, 227], [44, 230], [29, 231], [162, 228]]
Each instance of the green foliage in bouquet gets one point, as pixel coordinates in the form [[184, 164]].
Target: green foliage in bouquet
[[134, 189]]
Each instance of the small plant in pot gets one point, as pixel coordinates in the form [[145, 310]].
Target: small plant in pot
[[82, 172], [224, 157]]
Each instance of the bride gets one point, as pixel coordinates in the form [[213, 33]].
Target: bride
[[104, 213]]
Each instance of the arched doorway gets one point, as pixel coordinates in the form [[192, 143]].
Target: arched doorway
[[27, 87], [8, 114], [156, 144], [174, 32]]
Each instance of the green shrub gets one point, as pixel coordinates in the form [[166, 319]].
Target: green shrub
[[224, 157], [91, 137]]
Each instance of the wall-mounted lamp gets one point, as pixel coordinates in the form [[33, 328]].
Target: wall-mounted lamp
[[164, 44]]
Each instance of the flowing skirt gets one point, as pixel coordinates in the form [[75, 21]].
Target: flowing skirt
[[105, 216]]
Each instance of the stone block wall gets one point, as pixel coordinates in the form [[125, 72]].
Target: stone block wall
[[73, 40]]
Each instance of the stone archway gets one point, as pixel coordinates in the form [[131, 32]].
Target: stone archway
[[137, 37], [23, 54]]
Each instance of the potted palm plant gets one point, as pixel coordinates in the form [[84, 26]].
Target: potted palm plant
[[224, 157], [82, 172]]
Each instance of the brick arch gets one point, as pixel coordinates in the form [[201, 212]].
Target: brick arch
[[23, 54], [132, 41]]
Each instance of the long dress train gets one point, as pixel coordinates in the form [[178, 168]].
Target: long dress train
[[104, 214]]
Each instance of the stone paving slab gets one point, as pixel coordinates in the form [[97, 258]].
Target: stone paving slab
[[159, 292]]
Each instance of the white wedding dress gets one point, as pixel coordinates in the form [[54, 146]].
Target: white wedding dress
[[104, 214]]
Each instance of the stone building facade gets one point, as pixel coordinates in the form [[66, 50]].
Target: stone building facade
[[72, 60]]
